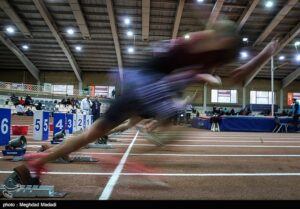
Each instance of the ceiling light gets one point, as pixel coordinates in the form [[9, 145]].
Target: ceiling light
[[245, 39], [127, 21], [269, 4], [129, 33], [70, 31], [25, 47], [200, 1], [10, 29], [297, 43], [244, 55], [298, 57], [281, 57], [130, 50], [78, 48], [187, 36]]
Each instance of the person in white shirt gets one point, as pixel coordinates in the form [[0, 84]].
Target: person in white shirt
[[20, 109], [85, 105]]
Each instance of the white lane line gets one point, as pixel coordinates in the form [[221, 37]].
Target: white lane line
[[169, 174], [181, 155], [115, 176], [213, 145]]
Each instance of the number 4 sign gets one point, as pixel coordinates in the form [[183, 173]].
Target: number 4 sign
[[5, 120], [59, 121]]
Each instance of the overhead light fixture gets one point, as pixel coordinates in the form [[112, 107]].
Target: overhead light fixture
[[78, 48], [25, 47], [245, 39], [129, 33], [127, 21], [10, 29], [70, 31], [130, 50], [297, 43], [281, 57], [244, 55], [187, 36], [269, 4], [200, 1], [298, 57]]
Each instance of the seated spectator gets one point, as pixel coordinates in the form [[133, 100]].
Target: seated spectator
[[39, 106], [6, 102], [28, 100], [22, 101], [29, 112], [20, 109], [14, 99], [73, 109], [69, 101], [232, 112]]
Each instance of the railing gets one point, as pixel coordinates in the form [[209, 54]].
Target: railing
[[36, 89]]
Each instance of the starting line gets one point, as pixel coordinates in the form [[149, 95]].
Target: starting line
[[169, 174], [184, 155]]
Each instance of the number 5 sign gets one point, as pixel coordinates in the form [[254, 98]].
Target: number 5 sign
[[5, 119], [40, 125]]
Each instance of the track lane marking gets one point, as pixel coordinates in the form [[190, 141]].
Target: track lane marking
[[169, 174], [184, 155], [116, 174]]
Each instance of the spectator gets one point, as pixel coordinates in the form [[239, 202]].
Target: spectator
[[68, 101], [39, 106], [73, 109], [85, 105], [14, 99], [96, 108], [22, 101], [232, 112], [28, 100], [20, 109], [29, 112], [214, 109], [113, 93], [295, 113]]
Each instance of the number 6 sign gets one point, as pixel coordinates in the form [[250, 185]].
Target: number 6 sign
[[5, 120]]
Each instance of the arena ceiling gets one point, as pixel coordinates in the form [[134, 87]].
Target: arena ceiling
[[100, 39]]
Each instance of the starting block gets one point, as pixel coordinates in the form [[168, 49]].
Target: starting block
[[67, 159], [100, 144], [21, 184], [58, 137], [16, 148]]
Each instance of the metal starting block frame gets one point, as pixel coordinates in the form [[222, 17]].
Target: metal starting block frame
[[30, 191], [16, 153], [79, 158], [99, 146], [113, 140], [58, 141]]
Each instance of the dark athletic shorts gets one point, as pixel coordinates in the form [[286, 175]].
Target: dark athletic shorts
[[145, 95]]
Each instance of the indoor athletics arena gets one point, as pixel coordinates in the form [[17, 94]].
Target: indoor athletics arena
[[149, 100]]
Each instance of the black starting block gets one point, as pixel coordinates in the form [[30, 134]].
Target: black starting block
[[58, 137], [21, 184], [16, 148], [100, 143]]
